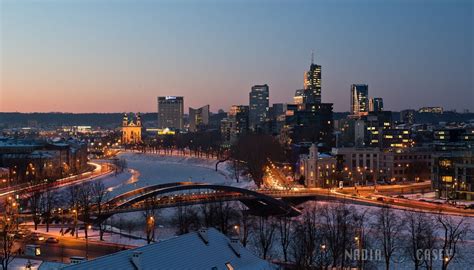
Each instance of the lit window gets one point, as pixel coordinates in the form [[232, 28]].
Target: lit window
[[447, 178]]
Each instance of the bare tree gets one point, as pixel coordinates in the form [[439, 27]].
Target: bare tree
[[73, 201], [7, 229], [430, 242], [453, 233], [208, 213], [254, 151], [246, 224], [48, 200], [85, 204], [388, 227], [336, 226], [307, 244], [99, 195], [226, 216], [150, 217], [361, 235], [284, 225], [35, 207], [264, 235], [420, 229], [185, 219], [237, 169]]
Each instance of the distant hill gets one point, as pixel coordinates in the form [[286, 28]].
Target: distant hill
[[112, 120], [105, 120]]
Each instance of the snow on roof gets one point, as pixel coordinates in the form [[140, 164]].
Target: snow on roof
[[189, 251], [51, 266], [324, 155]]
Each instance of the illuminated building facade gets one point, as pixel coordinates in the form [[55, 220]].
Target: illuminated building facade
[[375, 104], [238, 118], [431, 110], [453, 175], [359, 99], [170, 112], [318, 170], [259, 105], [131, 129], [198, 118], [312, 84], [300, 97]]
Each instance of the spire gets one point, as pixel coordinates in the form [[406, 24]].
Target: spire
[[312, 57]]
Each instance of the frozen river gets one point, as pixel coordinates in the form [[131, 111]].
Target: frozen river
[[151, 169]]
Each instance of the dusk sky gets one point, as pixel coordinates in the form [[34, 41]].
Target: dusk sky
[[115, 56]]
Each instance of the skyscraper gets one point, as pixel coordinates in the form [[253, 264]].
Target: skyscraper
[[359, 99], [376, 104], [170, 112], [239, 120], [259, 103], [312, 83], [198, 118]]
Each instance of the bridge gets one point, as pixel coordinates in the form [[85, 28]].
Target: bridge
[[264, 202], [189, 193]]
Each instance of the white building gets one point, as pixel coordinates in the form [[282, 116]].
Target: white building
[[316, 168]]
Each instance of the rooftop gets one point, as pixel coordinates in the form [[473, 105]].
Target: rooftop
[[207, 249]]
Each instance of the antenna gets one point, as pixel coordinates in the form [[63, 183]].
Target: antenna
[[312, 57]]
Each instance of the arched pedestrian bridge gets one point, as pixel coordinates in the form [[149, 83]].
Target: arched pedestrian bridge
[[189, 193]]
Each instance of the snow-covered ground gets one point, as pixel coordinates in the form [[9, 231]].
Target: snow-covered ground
[[464, 259], [431, 197], [151, 169], [112, 235]]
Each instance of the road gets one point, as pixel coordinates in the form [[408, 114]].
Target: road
[[367, 196], [68, 246], [25, 188]]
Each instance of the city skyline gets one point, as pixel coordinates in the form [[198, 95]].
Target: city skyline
[[104, 56]]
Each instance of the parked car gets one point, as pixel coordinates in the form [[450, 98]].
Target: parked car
[[52, 240]]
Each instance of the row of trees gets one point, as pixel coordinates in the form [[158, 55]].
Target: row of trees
[[77, 203], [249, 154], [253, 152], [337, 235], [200, 144]]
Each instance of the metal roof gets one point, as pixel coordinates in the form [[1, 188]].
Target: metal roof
[[209, 249]]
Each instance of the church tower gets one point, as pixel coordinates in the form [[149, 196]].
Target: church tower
[[139, 120], [131, 130], [125, 120]]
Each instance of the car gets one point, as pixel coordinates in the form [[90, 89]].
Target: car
[[37, 237], [52, 240]]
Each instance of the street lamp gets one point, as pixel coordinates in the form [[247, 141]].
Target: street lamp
[[88, 227], [75, 223]]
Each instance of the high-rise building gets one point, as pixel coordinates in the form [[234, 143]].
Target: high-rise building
[[359, 99], [170, 112], [312, 123], [198, 118], [376, 104], [259, 103], [312, 83], [239, 120]]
